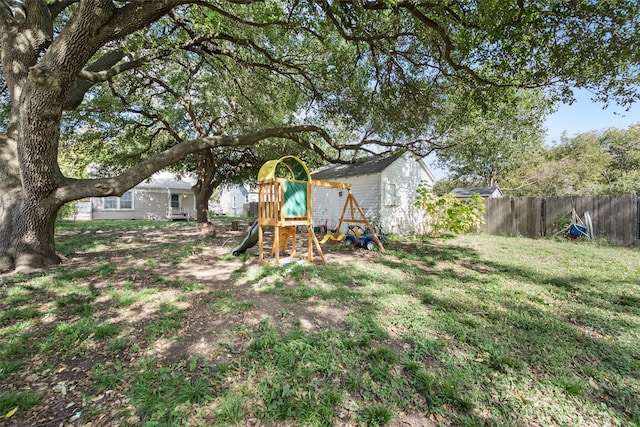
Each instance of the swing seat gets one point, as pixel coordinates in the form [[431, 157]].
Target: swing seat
[[328, 237]]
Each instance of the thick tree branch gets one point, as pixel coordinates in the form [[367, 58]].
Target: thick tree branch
[[95, 22], [99, 73], [80, 86], [134, 16], [73, 189], [100, 76], [57, 6]]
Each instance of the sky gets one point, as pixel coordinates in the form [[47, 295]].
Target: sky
[[582, 116], [585, 115]]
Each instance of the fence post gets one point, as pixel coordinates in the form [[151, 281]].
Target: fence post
[[514, 225], [543, 217], [637, 220]]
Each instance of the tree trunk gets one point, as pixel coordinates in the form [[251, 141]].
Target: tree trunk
[[27, 230], [28, 202], [205, 185], [202, 204], [30, 210], [26, 224], [29, 172]]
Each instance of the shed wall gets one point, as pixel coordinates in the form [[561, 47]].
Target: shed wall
[[397, 214], [394, 215]]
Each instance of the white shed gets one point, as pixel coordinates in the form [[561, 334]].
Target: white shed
[[385, 188]]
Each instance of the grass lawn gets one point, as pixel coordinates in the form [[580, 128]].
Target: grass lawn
[[150, 324]]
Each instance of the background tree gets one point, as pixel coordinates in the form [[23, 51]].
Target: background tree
[[623, 146], [595, 162], [497, 140], [375, 72]]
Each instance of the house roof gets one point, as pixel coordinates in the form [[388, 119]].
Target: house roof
[[481, 191], [165, 179], [373, 165]]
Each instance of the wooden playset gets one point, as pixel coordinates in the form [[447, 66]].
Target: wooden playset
[[284, 203]]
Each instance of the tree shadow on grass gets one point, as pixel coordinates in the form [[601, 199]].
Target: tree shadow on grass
[[570, 354], [575, 354], [431, 252], [608, 294]]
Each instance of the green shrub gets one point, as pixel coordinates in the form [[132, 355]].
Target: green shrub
[[446, 214]]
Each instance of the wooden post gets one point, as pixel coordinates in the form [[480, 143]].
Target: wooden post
[[373, 232], [312, 235]]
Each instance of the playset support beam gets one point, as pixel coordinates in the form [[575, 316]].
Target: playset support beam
[[352, 204]]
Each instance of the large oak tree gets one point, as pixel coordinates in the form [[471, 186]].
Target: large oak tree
[[377, 69]]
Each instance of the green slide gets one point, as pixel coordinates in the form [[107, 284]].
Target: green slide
[[250, 240]]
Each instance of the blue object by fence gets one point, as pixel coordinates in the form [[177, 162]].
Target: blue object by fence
[[578, 230]]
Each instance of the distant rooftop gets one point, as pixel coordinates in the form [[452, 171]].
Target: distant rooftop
[[481, 191], [372, 165], [165, 179]]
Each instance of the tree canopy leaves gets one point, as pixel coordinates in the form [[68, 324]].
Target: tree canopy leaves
[[492, 143]]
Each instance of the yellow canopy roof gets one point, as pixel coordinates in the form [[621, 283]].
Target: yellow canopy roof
[[296, 167]]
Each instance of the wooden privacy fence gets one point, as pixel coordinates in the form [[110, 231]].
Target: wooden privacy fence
[[616, 218]]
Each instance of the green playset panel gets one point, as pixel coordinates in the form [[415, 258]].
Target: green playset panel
[[295, 199]]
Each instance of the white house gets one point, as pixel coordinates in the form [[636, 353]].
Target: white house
[[384, 187], [163, 196], [236, 198]]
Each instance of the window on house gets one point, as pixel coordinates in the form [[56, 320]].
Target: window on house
[[175, 200], [390, 197], [110, 202], [118, 203], [126, 201]]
